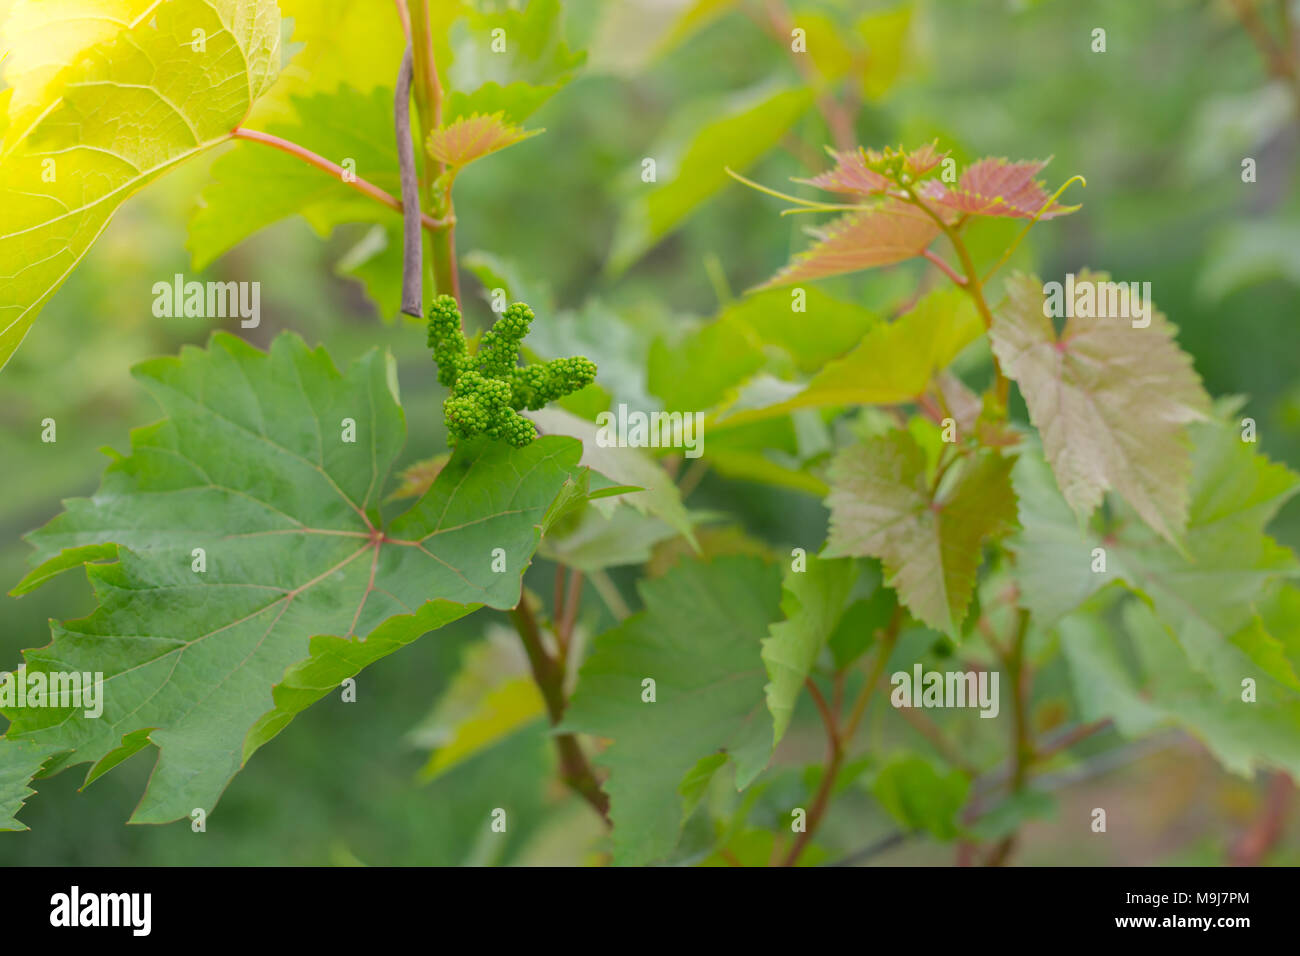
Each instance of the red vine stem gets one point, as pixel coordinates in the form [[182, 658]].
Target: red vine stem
[[944, 267], [405, 17], [1021, 740], [1265, 832], [973, 286], [837, 737], [548, 674], [323, 164]]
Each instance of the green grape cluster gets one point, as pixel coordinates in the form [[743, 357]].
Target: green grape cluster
[[490, 387]]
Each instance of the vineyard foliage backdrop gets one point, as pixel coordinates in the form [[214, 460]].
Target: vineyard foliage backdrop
[[354, 606]]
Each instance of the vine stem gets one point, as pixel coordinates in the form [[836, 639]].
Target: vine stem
[[838, 737], [323, 164], [932, 732], [412, 240], [1022, 744], [822, 799], [437, 193], [973, 285], [1265, 832], [548, 673], [838, 116], [405, 17], [609, 593], [570, 616], [944, 267], [1277, 56]]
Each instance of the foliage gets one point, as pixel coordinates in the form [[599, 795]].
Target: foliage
[[687, 586]]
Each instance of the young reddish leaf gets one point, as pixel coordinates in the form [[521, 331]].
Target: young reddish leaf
[[854, 172], [850, 175], [1112, 403], [884, 234], [920, 161], [472, 137], [882, 507], [996, 187]]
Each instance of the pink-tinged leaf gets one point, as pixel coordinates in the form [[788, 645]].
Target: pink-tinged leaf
[[853, 172], [882, 506], [884, 234], [995, 187], [850, 175], [921, 161], [473, 137], [1112, 402]]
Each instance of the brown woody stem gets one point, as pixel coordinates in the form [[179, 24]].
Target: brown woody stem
[[548, 673], [838, 738]]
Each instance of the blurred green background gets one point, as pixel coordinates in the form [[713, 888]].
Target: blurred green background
[[1158, 124]]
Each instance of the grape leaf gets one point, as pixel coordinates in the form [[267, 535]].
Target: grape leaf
[[827, 46], [655, 495], [41, 38], [1111, 401], [1013, 813], [853, 172], [709, 364], [865, 619], [696, 371], [885, 35], [597, 540], [1054, 556], [883, 234], [472, 137], [813, 601], [253, 186], [823, 329], [376, 262], [336, 43], [492, 696], [632, 35], [534, 66], [1203, 590], [515, 101], [301, 583], [995, 187], [20, 761], [1204, 593], [536, 51], [698, 639], [1169, 688], [882, 506], [919, 798], [893, 363], [850, 175], [749, 126], [132, 108]]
